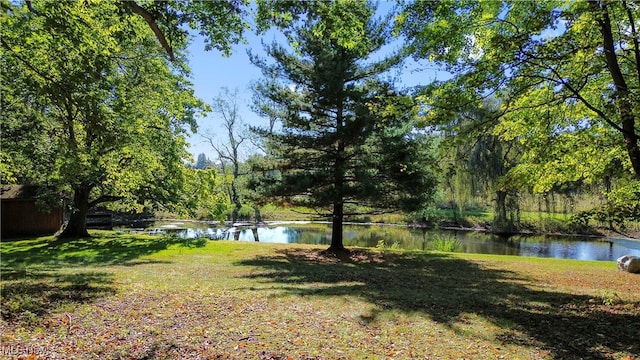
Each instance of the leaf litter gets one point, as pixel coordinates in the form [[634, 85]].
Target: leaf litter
[[256, 301]]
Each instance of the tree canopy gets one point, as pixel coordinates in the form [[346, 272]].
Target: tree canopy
[[95, 105], [567, 75], [543, 96], [347, 142]]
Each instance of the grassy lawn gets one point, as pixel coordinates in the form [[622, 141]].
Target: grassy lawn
[[139, 297]]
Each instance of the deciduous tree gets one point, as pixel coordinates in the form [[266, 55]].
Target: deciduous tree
[[225, 106], [94, 105], [567, 73]]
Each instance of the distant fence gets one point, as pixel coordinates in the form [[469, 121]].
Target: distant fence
[[100, 220]]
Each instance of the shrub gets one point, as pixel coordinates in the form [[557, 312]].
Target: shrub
[[382, 245], [446, 244]]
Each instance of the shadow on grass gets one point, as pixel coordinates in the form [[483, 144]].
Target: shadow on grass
[[445, 288], [99, 250], [29, 296], [42, 275]]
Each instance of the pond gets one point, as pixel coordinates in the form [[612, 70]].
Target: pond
[[565, 247]]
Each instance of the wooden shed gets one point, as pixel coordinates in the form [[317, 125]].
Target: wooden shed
[[21, 215]]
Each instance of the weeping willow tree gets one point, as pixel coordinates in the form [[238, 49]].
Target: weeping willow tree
[[477, 163], [490, 160], [566, 73]]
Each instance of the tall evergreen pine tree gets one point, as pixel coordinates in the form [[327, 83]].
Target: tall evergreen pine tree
[[347, 143]]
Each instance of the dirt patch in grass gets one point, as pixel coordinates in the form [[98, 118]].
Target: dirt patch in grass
[[166, 299]]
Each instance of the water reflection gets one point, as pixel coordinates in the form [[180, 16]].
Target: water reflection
[[417, 239]]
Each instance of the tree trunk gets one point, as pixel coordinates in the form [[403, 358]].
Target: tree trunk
[[500, 222], [338, 183], [76, 227], [236, 211], [235, 197], [623, 94], [336, 227], [630, 137], [258, 216]]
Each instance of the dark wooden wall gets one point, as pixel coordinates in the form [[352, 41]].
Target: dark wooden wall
[[21, 217]]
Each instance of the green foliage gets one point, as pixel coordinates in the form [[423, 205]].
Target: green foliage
[[203, 195], [221, 23], [226, 108], [565, 72], [344, 23], [7, 175], [611, 298], [348, 137], [612, 215], [475, 163], [446, 244], [382, 245], [621, 209], [97, 108]]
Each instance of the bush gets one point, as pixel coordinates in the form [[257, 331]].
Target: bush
[[382, 245], [446, 244], [612, 215]]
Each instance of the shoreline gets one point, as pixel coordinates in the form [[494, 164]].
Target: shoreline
[[603, 235]]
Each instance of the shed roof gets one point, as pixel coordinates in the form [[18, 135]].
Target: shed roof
[[18, 192]]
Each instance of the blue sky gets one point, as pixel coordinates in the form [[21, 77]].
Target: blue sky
[[211, 73]]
